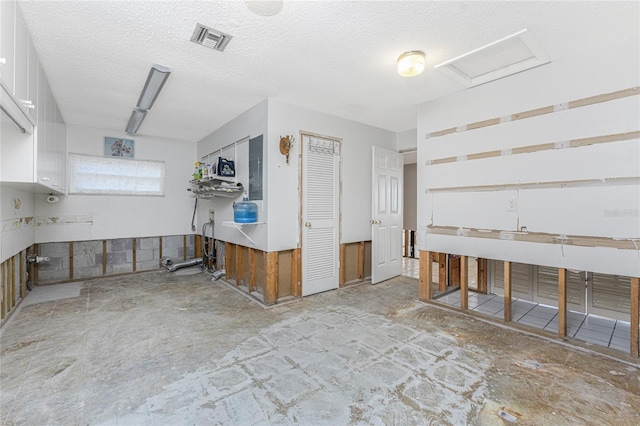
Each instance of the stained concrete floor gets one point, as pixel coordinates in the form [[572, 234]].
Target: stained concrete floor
[[161, 349]]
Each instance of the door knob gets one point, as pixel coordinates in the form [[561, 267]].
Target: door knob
[[307, 224]]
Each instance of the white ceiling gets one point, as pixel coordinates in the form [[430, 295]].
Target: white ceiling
[[335, 57]]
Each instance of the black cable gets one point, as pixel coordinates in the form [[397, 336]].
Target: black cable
[[193, 219]]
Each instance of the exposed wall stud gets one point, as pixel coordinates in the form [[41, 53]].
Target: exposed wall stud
[[239, 264], [442, 271], [228, 258], [296, 289], [562, 303], [361, 260], [425, 275], [482, 276], [71, 260], [104, 257], [343, 265], [270, 294], [635, 320], [464, 283], [133, 249], [507, 291], [253, 273]]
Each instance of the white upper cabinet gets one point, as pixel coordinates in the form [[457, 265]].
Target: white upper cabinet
[[7, 21], [33, 152], [21, 61], [32, 87]]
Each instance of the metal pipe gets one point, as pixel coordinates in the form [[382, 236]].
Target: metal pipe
[[176, 266]]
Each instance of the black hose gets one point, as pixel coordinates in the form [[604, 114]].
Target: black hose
[[193, 219]]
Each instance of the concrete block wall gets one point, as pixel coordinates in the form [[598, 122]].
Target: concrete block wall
[[57, 268], [119, 256], [87, 259], [76, 260], [147, 253]]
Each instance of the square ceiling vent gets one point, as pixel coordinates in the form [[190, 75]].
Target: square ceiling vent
[[208, 37], [510, 55]]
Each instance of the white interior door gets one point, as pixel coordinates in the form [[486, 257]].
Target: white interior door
[[320, 217], [386, 223]]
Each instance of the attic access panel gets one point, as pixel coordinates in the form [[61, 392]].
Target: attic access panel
[[510, 55]]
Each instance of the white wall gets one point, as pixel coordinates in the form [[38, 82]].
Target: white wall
[[82, 217], [410, 207], [17, 224], [283, 179], [407, 139], [545, 185], [251, 123]]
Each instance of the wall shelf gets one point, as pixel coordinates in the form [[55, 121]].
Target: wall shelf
[[239, 227], [214, 187]]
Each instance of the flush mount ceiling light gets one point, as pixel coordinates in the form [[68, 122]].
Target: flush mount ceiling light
[[411, 63], [512, 54], [137, 116], [208, 37], [156, 79], [264, 7]]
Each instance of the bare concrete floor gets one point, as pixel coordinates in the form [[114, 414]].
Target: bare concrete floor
[[160, 349]]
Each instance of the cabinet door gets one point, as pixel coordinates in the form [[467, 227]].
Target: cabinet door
[[7, 19], [21, 59], [41, 159], [32, 86], [59, 164]]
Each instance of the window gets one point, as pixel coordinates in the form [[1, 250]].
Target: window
[[115, 176]]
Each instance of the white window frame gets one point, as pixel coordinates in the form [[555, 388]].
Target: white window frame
[[92, 175]]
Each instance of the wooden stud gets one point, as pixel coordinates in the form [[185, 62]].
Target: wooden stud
[[464, 283], [361, 260], [197, 246], [4, 289], [482, 276], [343, 265], [159, 251], [133, 249], [228, 256], [635, 321], [454, 271], [34, 267], [12, 282], [184, 245], [270, 294], [23, 274], [562, 303], [406, 243], [507, 291], [253, 273], [239, 264], [104, 257], [425, 276], [71, 261], [442, 271], [296, 288]]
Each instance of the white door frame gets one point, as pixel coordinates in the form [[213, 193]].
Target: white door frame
[[386, 214], [329, 267]]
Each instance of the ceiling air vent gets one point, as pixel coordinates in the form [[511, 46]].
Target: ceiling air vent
[[208, 37], [510, 55]]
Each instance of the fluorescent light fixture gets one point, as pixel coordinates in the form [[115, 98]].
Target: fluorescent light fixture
[[411, 63], [137, 116], [156, 79]]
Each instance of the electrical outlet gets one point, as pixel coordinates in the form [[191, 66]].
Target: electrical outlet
[[512, 204], [211, 214]]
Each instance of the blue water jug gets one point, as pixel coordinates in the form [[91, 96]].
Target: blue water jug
[[245, 211]]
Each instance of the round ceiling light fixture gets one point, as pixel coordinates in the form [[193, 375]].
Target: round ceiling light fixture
[[411, 63], [265, 7]]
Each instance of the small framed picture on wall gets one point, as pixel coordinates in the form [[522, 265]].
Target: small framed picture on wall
[[118, 147]]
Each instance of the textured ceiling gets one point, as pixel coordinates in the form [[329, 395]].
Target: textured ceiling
[[334, 57]]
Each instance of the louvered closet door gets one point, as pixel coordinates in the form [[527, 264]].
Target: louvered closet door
[[521, 280], [547, 288], [610, 296], [320, 218]]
